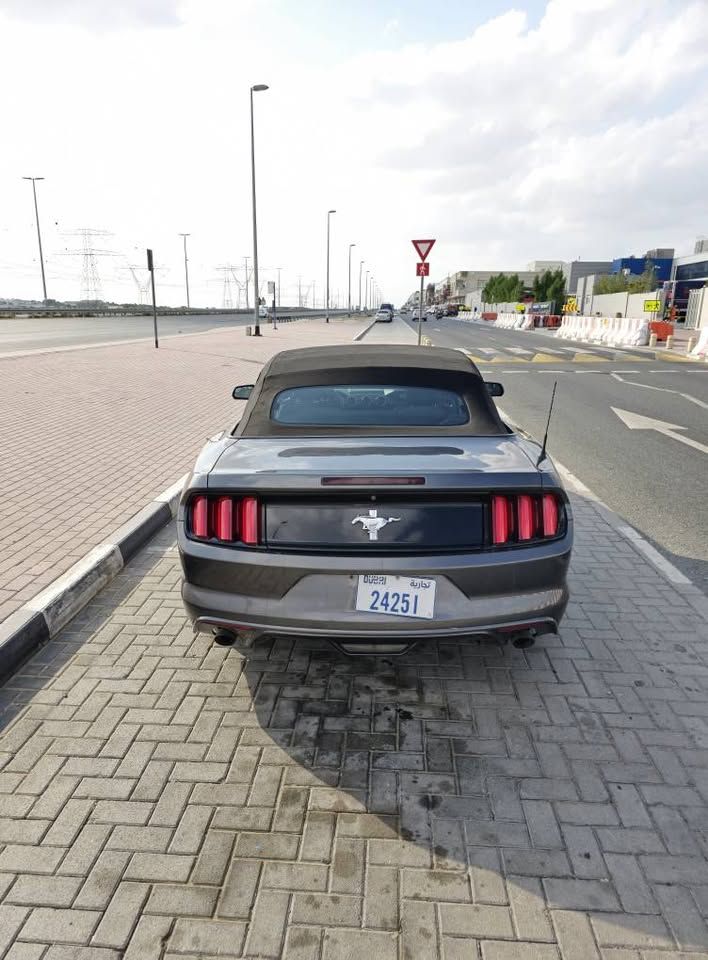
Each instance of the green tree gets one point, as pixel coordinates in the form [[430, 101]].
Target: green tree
[[611, 283], [645, 282]]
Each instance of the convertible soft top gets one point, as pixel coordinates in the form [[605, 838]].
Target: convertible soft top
[[374, 364]]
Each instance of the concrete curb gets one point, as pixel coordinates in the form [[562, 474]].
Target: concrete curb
[[679, 581], [363, 333], [42, 617]]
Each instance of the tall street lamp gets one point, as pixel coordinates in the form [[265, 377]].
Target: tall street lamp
[[361, 264], [349, 295], [257, 88], [366, 291], [329, 214], [186, 269], [39, 235]]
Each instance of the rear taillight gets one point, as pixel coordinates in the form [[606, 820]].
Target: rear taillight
[[525, 507], [200, 517], [502, 519], [550, 515], [519, 518], [248, 520], [224, 518]]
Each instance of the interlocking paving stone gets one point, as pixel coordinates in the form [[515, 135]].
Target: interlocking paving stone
[[464, 799]]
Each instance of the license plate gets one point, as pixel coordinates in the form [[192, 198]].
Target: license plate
[[396, 596]]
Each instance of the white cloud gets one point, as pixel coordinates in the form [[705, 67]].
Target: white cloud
[[100, 14], [582, 135]]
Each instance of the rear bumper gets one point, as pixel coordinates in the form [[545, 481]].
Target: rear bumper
[[314, 595]]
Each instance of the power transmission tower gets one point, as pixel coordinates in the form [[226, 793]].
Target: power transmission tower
[[89, 252], [142, 285]]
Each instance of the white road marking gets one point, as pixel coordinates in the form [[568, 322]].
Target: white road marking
[[672, 573], [520, 350], [635, 421], [647, 386]]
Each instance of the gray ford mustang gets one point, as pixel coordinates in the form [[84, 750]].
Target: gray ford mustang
[[375, 498]]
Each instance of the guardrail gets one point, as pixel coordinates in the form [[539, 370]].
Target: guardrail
[[145, 311]]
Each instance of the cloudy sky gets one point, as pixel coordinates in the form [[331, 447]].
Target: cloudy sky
[[510, 130]]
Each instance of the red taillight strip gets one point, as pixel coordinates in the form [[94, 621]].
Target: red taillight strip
[[500, 520], [248, 520], [200, 517], [525, 510], [224, 519], [550, 515]]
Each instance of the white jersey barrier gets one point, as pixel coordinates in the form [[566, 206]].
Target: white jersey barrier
[[514, 321], [614, 331], [700, 351]]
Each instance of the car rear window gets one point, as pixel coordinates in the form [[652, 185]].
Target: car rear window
[[363, 405]]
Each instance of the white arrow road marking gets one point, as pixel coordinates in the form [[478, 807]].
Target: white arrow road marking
[[635, 421], [647, 386]]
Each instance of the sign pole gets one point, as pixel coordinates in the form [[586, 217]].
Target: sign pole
[[154, 305], [420, 311], [423, 248]]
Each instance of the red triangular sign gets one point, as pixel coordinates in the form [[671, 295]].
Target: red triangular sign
[[423, 247]]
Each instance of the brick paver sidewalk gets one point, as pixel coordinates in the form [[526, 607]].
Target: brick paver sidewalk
[[90, 436], [161, 797]]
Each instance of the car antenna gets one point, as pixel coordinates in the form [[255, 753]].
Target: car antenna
[[542, 455]]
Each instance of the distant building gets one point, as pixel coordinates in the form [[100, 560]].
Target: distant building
[[688, 273], [577, 269], [662, 260], [538, 266]]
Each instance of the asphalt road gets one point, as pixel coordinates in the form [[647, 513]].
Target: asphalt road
[[655, 481], [22, 334]]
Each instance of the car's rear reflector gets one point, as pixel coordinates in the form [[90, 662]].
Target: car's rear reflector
[[550, 515], [525, 508], [373, 481]]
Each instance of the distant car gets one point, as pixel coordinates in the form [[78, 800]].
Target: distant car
[[375, 499], [263, 312], [384, 316], [387, 306], [452, 310]]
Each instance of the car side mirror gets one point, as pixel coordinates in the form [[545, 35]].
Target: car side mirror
[[494, 389], [243, 392]]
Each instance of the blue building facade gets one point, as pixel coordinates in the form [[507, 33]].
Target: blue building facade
[[637, 265]]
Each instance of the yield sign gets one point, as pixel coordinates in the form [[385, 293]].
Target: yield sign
[[423, 247]]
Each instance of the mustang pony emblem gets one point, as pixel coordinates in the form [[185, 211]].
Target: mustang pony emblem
[[373, 523]]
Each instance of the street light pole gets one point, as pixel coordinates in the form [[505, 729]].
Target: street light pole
[[361, 264], [349, 295], [39, 234], [366, 291], [329, 214], [256, 88], [186, 269], [278, 269]]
